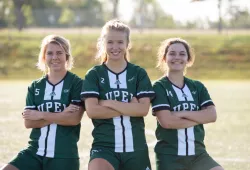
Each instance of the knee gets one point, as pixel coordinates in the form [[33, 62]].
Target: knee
[[217, 168]]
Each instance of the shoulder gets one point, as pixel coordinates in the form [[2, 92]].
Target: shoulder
[[38, 81], [161, 81], [196, 83], [135, 67], [74, 79], [95, 70], [73, 75]]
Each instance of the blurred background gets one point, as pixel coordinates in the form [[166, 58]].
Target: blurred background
[[218, 30], [164, 14]]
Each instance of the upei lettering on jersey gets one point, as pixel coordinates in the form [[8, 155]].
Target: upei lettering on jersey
[[186, 106], [123, 96], [51, 107]]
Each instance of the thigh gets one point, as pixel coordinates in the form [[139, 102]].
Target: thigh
[[217, 168], [9, 167], [138, 160], [61, 164], [170, 162], [27, 160], [204, 162], [103, 159]]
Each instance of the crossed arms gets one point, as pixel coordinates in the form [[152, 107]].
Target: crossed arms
[[105, 109], [186, 119], [70, 116]]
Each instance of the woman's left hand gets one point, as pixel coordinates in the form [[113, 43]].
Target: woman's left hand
[[32, 114]]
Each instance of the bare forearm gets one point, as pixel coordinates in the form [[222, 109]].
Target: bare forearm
[[129, 109], [170, 121], [101, 112], [63, 118], [35, 123], [181, 124], [203, 116]]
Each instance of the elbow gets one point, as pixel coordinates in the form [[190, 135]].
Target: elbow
[[143, 112], [166, 125], [74, 123], [27, 125], [214, 118], [90, 114], [75, 120]]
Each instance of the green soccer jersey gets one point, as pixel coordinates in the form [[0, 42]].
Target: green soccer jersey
[[192, 96], [122, 133], [54, 141]]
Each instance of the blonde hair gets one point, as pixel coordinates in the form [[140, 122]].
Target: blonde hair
[[115, 25], [163, 50], [63, 43]]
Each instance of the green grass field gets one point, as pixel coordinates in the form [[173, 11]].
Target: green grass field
[[227, 140], [226, 54]]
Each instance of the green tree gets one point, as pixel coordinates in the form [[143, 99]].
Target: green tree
[[240, 19], [67, 16], [27, 12], [115, 8], [20, 20]]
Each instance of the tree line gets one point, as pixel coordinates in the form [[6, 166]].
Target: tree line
[[94, 13]]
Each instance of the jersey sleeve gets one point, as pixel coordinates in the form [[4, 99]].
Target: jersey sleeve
[[90, 86], [160, 102], [76, 91], [30, 97], [144, 86], [205, 99]]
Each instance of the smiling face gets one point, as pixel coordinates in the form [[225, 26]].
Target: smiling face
[[55, 58], [116, 45], [176, 57]]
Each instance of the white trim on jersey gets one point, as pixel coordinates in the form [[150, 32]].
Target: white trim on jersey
[[90, 92], [29, 107], [112, 80], [159, 105], [58, 91], [128, 134], [47, 92], [118, 134], [181, 142], [75, 100], [51, 141], [144, 92], [205, 102], [51, 138], [41, 141], [123, 80], [129, 142], [182, 95], [191, 145], [188, 93], [179, 93]]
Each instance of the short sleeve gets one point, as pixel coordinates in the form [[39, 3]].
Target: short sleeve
[[30, 97], [160, 102], [205, 99], [90, 86], [144, 86], [76, 91]]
